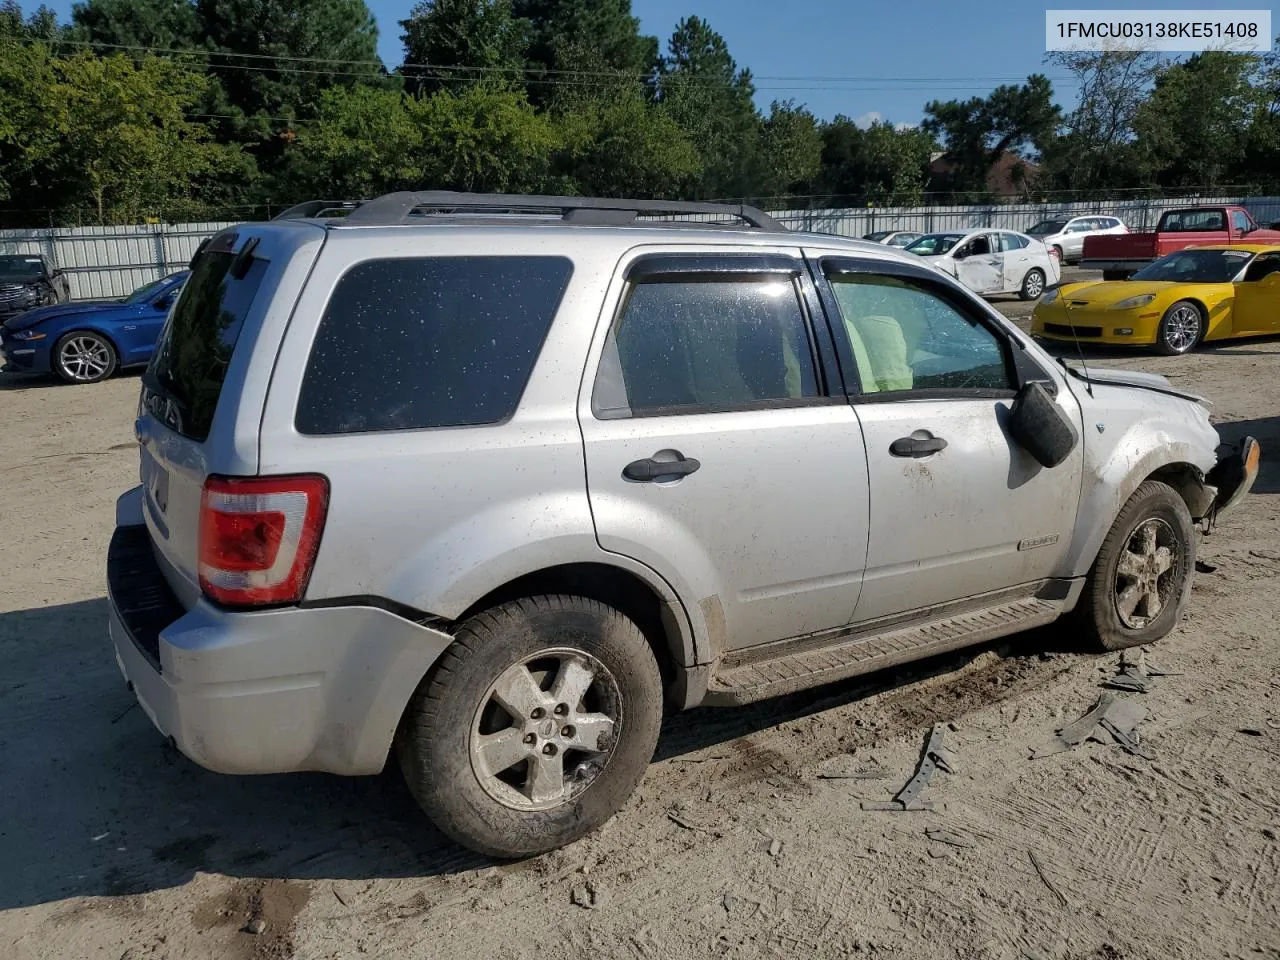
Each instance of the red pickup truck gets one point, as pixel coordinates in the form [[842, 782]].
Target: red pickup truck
[[1120, 255]]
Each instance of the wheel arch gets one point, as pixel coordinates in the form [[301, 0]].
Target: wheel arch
[[663, 622], [1098, 513], [73, 329]]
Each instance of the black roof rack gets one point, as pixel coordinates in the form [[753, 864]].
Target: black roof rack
[[595, 211], [314, 208]]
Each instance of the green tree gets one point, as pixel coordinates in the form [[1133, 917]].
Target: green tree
[[605, 27], [163, 24], [479, 34], [40, 25], [613, 142], [295, 50], [485, 138], [880, 164], [979, 130], [362, 142], [129, 151], [790, 152], [1094, 151], [1193, 128], [29, 136], [704, 92]]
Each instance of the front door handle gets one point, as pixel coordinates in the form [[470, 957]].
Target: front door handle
[[919, 444], [663, 465]]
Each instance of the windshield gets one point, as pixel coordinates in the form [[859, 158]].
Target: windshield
[[20, 269], [1047, 228], [877, 236], [934, 244], [903, 239], [145, 291], [1196, 266]]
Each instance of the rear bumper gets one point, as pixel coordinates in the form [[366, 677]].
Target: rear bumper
[[1234, 474], [274, 691]]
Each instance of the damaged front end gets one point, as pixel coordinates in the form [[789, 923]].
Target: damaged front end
[[1234, 474]]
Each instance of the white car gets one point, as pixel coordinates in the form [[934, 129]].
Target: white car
[[893, 238], [991, 261], [1066, 234]]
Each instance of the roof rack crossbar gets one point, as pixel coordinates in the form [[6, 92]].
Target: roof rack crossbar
[[400, 207], [312, 208]]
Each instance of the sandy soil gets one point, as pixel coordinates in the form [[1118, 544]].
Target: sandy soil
[[736, 845]]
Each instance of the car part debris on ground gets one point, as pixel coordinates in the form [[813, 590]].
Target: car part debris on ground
[[950, 837], [1111, 720], [935, 757], [1134, 673]]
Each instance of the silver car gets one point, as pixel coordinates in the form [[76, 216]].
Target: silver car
[[1065, 236], [489, 483]]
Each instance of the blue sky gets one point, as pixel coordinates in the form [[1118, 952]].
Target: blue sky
[[893, 56]]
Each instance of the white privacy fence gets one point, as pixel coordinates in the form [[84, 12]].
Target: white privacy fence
[[105, 262]]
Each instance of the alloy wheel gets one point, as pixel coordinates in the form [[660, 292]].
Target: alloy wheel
[[1146, 574], [84, 358], [546, 729], [1182, 328]]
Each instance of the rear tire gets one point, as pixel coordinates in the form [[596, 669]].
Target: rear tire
[[83, 356], [1181, 329], [1032, 284], [501, 749], [1153, 530]]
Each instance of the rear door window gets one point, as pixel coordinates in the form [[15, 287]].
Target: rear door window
[[184, 380], [710, 345], [425, 342]]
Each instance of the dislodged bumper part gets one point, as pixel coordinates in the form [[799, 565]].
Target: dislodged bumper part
[[1234, 474]]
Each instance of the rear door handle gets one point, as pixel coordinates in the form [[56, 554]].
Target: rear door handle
[[916, 446], [663, 465]]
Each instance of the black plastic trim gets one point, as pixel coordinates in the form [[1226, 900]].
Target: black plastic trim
[[704, 267], [401, 610], [138, 591]]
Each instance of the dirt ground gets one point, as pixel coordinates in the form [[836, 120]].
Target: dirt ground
[[113, 846]]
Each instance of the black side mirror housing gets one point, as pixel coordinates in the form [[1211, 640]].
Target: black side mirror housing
[[1040, 426]]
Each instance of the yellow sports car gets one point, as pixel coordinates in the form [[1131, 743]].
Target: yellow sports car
[[1198, 293]]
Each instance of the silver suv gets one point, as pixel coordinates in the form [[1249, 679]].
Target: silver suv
[[492, 481]]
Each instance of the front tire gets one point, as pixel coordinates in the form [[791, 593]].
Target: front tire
[[1032, 284], [82, 356], [1141, 581], [1181, 328], [535, 727]]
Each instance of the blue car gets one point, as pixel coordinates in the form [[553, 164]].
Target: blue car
[[87, 341]]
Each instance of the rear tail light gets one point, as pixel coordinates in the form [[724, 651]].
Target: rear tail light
[[259, 537], [1055, 253]]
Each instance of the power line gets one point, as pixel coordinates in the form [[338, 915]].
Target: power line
[[534, 73]]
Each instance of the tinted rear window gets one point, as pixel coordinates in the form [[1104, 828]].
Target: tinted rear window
[[429, 342], [184, 380]]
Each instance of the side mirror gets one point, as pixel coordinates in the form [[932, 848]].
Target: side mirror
[[1040, 426]]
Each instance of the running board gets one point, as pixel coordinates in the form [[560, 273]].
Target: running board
[[862, 652]]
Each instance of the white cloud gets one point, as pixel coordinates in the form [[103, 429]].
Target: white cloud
[[867, 119], [905, 126]]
